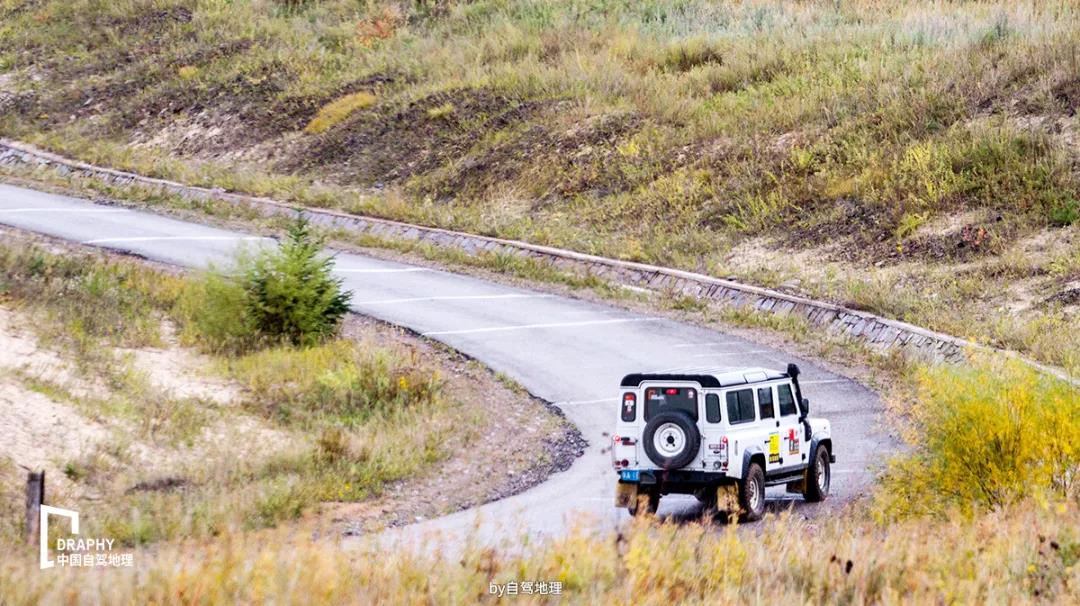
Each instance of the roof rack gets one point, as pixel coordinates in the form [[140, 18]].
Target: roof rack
[[711, 378]]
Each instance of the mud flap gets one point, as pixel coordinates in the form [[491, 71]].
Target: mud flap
[[727, 498], [625, 494]]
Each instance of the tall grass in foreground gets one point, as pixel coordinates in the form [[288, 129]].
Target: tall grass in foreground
[[1019, 555]]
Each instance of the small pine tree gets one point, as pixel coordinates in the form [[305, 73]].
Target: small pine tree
[[291, 291]]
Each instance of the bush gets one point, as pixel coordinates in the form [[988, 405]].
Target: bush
[[1065, 213], [290, 291], [990, 435], [213, 310], [284, 294]]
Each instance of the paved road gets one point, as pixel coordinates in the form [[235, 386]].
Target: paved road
[[563, 350]]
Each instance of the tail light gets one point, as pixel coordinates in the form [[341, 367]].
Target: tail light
[[629, 407], [723, 451]]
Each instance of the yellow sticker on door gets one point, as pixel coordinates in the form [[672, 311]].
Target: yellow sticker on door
[[774, 447]]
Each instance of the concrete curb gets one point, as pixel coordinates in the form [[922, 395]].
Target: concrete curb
[[878, 332]]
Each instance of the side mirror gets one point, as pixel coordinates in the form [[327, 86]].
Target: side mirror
[[805, 407]]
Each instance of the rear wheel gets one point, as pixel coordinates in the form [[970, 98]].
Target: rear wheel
[[818, 476], [752, 493], [646, 503]]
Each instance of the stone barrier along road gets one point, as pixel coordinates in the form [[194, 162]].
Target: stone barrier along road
[[878, 332]]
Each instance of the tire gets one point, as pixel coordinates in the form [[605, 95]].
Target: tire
[[671, 439], [818, 476], [752, 493], [650, 500]]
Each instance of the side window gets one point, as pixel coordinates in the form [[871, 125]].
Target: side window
[[658, 399], [787, 401], [740, 406], [765, 404], [712, 408]]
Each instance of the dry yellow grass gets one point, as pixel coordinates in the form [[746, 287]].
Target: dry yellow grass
[[1025, 554], [337, 110]]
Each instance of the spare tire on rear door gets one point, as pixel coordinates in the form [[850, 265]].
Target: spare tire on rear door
[[671, 439]]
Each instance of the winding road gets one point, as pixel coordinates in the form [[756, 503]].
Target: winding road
[[566, 351]]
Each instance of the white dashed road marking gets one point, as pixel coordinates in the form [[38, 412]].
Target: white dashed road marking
[[730, 353], [381, 270], [536, 326], [574, 402], [64, 210], [172, 239], [451, 298]]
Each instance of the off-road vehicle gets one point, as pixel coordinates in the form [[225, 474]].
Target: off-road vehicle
[[722, 436]]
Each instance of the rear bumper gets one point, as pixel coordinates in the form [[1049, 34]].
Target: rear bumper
[[677, 480]]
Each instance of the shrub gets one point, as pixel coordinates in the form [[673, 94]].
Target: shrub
[[290, 291], [1065, 213], [281, 294], [213, 311], [687, 54], [990, 435]]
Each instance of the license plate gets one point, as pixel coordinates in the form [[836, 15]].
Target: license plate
[[631, 475]]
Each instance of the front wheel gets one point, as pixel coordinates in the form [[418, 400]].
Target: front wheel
[[818, 476], [752, 493]]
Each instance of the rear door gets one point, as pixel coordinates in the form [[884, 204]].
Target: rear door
[[682, 396]]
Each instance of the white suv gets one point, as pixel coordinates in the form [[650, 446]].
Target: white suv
[[721, 436]]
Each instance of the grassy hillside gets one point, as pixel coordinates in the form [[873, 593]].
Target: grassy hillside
[[918, 159]]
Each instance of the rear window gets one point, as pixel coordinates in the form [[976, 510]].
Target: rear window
[[712, 408], [740, 406], [659, 399], [787, 401]]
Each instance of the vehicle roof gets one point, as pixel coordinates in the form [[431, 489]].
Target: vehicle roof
[[706, 376]]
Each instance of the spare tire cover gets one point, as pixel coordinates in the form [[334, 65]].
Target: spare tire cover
[[671, 439]]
